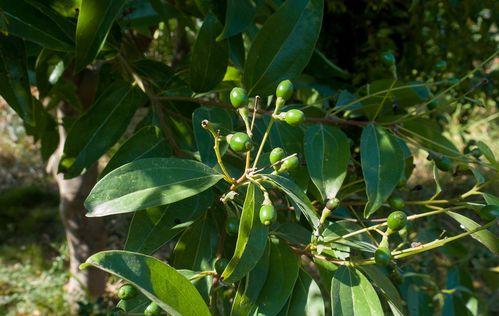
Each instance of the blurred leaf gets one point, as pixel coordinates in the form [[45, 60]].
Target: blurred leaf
[[148, 142], [320, 66], [382, 165], [345, 98], [455, 303], [38, 23], [209, 58], [298, 198], [282, 275], [428, 134], [327, 151], [293, 233], [239, 14], [289, 138], [237, 52], [487, 238], [306, 299], [14, 81], [251, 239], [157, 73], [100, 127], [491, 199], [152, 228], [147, 183], [49, 67], [94, 22], [487, 152], [418, 302], [155, 279], [352, 294], [276, 56]]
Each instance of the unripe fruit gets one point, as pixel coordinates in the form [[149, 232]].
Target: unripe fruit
[[396, 202], [443, 163], [489, 212], [289, 164], [284, 90], [238, 97], [232, 225], [294, 117], [396, 220], [240, 142], [152, 310], [332, 204], [268, 214], [220, 265], [388, 58], [441, 65], [127, 291], [382, 256], [276, 154]]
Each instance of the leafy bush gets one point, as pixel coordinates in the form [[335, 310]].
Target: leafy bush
[[280, 183]]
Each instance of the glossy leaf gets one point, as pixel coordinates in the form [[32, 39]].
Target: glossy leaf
[[306, 299], [487, 238], [100, 127], [282, 275], [148, 142], [487, 153], [94, 22], [428, 133], [387, 288], [298, 198], [209, 58], [38, 23], [221, 120], [135, 305], [352, 294], [249, 289], [276, 56], [147, 183], [155, 279], [327, 152], [238, 16], [382, 165], [251, 239], [14, 81], [152, 228]]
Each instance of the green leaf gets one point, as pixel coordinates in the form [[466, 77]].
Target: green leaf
[[196, 250], [14, 81], [100, 127], [221, 120], [294, 233], [387, 288], [490, 199], [321, 67], [209, 58], [152, 228], [94, 22], [352, 294], [382, 165], [460, 283], [428, 134], [248, 291], [298, 198], [134, 305], [306, 299], [251, 239], [154, 278], [238, 16], [157, 73], [148, 142], [282, 275], [283, 46], [327, 152], [419, 303], [38, 23], [147, 183], [487, 238], [289, 138], [487, 152]]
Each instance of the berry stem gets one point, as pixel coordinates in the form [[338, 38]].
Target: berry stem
[[216, 147]]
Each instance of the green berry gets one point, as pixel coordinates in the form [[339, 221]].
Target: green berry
[[127, 291], [441, 65], [289, 164], [240, 142], [382, 256], [443, 163], [220, 265], [294, 117], [232, 225], [268, 214], [489, 212], [332, 204], [284, 90], [152, 310], [276, 154], [388, 58], [238, 97], [396, 220], [396, 202]]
